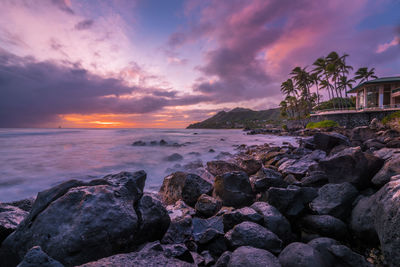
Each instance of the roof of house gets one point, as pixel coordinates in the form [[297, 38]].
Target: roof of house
[[376, 81]]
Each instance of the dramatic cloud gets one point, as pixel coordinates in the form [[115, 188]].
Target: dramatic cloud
[[34, 93], [84, 24]]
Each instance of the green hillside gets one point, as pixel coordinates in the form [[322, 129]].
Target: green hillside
[[239, 118]]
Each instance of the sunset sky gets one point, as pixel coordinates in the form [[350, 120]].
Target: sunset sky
[[167, 63]]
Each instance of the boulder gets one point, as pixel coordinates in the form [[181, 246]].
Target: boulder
[[234, 217], [361, 134], [179, 231], [389, 169], [372, 144], [376, 124], [204, 230], [154, 218], [327, 141], [300, 255], [362, 221], [224, 259], [185, 186], [178, 251], [346, 257], [220, 167], [234, 189], [174, 157], [76, 222], [24, 204], [291, 201], [35, 257], [254, 235], [387, 153], [274, 220], [322, 245], [351, 165], [250, 165], [254, 257], [266, 178], [335, 200], [387, 220], [315, 179], [324, 225], [10, 218], [207, 206], [139, 143], [394, 143], [152, 257], [298, 168]]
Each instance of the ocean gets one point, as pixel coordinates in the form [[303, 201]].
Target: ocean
[[32, 160]]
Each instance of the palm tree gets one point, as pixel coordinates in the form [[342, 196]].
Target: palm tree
[[303, 82], [344, 68], [320, 67], [315, 77], [344, 83], [363, 74], [287, 87], [333, 68], [325, 84]]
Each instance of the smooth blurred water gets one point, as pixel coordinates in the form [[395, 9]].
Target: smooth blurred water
[[32, 160]]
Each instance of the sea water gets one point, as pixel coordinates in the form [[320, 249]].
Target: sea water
[[32, 160]]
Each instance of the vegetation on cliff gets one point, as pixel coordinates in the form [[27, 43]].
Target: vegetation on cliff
[[239, 118]]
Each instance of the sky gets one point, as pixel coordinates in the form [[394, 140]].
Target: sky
[[168, 63]]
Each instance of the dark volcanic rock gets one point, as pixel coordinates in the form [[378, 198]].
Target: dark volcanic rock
[[327, 141], [152, 257], [335, 200], [252, 234], [174, 157], [250, 165], [76, 221], [387, 220], [361, 134], [35, 257], [315, 179], [362, 221], [266, 178], [300, 255], [389, 169], [205, 230], [10, 217], [24, 204], [224, 259], [207, 206], [185, 186], [351, 165], [234, 189], [254, 257], [154, 218], [346, 257], [179, 231], [292, 200], [274, 220], [220, 167], [298, 168], [234, 217], [139, 143], [324, 225], [322, 245]]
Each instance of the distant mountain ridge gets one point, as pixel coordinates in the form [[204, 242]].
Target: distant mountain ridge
[[239, 118]]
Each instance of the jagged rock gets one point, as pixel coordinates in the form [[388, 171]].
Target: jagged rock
[[24, 204], [154, 218], [139, 143], [298, 168], [362, 221], [351, 165], [179, 231], [250, 165], [76, 221], [389, 169], [220, 167], [252, 234], [234, 189], [254, 257], [185, 186], [292, 200], [234, 217], [387, 220], [152, 257], [180, 210], [208, 258], [300, 255], [207, 206], [266, 178], [327, 141], [335, 200], [373, 144], [315, 179], [386, 153], [178, 251], [394, 143], [375, 124], [10, 218], [174, 157], [361, 134], [35, 257], [205, 230], [274, 220], [324, 225]]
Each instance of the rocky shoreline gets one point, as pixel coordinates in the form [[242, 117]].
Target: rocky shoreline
[[331, 201]]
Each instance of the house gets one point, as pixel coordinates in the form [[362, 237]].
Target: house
[[381, 93]]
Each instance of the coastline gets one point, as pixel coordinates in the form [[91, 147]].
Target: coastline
[[329, 196]]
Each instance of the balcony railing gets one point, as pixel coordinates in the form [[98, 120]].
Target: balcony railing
[[353, 109]]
